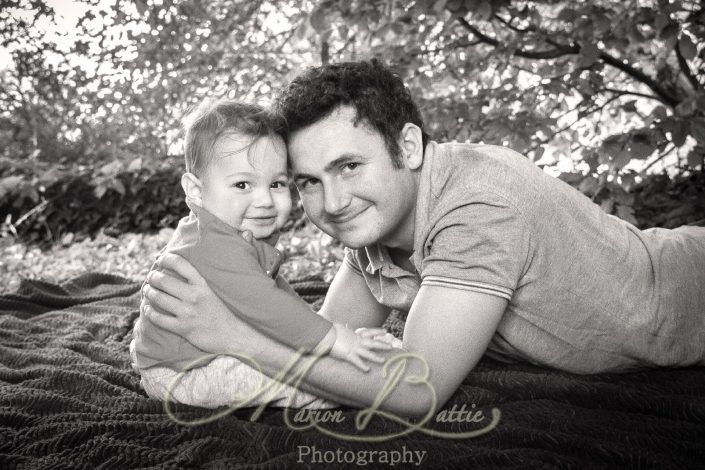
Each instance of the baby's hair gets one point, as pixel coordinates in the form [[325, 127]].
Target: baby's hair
[[214, 118]]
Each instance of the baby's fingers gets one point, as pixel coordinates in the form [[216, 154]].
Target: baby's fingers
[[357, 362], [370, 356], [370, 332], [376, 344]]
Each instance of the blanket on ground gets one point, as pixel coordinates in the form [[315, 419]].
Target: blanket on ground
[[69, 399]]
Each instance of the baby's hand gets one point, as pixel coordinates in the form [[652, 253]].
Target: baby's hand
[[357, 348], [380, 334]]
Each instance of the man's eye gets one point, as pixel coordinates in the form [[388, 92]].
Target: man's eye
[[241, 185], [351, 166], [306, 184]]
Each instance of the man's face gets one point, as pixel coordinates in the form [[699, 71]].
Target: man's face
[[348, 184], [246, 184]]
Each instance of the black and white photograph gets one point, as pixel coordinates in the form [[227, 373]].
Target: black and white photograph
[[275, 234]]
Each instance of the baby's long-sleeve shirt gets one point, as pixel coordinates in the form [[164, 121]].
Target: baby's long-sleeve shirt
[[244, 276]]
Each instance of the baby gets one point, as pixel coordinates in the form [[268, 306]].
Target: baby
[[236, 184]]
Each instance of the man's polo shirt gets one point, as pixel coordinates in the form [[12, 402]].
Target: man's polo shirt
[[244, 276], [587, 291]]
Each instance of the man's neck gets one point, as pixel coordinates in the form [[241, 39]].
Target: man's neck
[[403, 237]]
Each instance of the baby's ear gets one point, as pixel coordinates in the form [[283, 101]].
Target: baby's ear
[[192, 188]]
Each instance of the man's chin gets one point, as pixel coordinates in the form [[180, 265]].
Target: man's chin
[[354, 242]]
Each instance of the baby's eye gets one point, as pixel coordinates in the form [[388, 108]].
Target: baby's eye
[[241, 185], [280, 184]]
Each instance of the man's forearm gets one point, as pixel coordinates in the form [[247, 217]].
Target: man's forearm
[[342, 382]]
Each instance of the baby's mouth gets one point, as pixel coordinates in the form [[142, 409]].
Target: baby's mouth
[[265, 220]]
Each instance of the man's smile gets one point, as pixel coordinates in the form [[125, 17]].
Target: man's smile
[[345, 218]]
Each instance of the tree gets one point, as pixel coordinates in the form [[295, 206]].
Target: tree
[[602, 83], [609, 87]]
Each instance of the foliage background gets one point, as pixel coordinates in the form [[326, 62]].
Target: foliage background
[[607, 95]]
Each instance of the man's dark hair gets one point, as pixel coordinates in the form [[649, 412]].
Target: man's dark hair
[[380, 99]]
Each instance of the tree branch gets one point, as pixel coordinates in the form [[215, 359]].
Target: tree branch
[[633, 93], [508, 24], [662, 93], [562, 50], [559, 51], [658, 159], [686, 69]]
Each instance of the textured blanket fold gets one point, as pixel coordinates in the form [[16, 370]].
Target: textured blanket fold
[[69, 399]]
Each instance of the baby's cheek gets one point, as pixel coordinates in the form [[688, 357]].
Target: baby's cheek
[[284, 209]]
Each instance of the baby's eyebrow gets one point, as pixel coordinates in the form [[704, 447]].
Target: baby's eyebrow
[[242, 173]]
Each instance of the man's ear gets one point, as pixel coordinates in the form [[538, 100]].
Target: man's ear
[[411, 143], [192, 188]]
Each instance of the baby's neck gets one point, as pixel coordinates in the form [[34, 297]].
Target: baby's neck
[[272, 239]]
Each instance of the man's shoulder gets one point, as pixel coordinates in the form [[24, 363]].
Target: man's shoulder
[[470, 171]]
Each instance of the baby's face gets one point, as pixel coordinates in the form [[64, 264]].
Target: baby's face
[[246, 183]]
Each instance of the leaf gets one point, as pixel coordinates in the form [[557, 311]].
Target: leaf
[[589, 53], [620, 160], [660, 112], [678, 133], [697, 130], [439, 6], [9, 184], [318, 19], [686, 107], [118, 186], [110, 169], [99, 191], [629, 106], [141, 6], [640, 151], [484, 11], [687, 47], [670, 31], [660, 21], [588, 186], [457, 7], [567, 15], [695, 158], [626, 213], [135, 165], [538, 153], [607, 205]]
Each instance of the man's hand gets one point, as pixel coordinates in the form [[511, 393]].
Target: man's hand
[[184, 307]]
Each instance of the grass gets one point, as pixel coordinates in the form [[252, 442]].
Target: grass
[[307, 251]]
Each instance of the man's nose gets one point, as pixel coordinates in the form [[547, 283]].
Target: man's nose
[[335, 200]]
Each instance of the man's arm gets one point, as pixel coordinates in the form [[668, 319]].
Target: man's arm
[[449, 328], [350, 302]]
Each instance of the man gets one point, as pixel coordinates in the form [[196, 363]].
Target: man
[[485, 251]]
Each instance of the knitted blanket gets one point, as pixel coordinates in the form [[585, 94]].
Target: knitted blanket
[[69, 399]]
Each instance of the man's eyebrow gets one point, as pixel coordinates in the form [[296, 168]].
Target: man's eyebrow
[[341, 160]]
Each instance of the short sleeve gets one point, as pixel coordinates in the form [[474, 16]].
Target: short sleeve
[[230, 266], [351, 260], [480, 246]]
